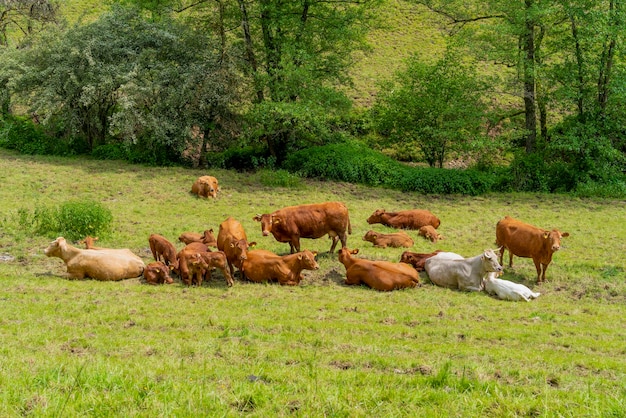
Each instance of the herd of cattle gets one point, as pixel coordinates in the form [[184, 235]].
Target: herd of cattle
[[196, 260]]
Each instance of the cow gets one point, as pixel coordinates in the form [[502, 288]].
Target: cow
[[395, 239], [104, 264], [315, 220], [379, 275], [417, 260], [507, 290], [232, 239], [88, 241], [183, 256], [200, 264], [206, 237], [205, 186], [405, 219], [163, 250], [262, 265], [218, 260], [528, 241], [464, 274], [157, 273], [430, 233]]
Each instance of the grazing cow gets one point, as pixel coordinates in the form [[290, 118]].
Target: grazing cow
[[232, 239], [163, 250], [104, 264], [88, 241], [157, 273], [291, 223], [405, 219], [379, 275], [524, 240], [417, 260], [395, 239], [206, 237], [507, 290], [430, 233], [264, 265], [464, 274], [205, 186]]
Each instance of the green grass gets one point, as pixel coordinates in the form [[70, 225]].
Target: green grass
[[88, 348]]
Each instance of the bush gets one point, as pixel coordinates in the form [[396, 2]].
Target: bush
[[73, 220], [441, 181], [22, 135], [615, 189], [242, 159], [278, 178]]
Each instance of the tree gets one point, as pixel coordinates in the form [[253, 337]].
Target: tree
[[436, 107]]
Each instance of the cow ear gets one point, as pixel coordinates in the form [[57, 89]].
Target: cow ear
[[252, 244], [565, 234], [158, 270], [314, 253], [276, 220], [546, 235], [300, 256], [355, 251]]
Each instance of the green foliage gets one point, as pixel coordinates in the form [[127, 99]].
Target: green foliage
[[442, 181], [242, 159], [278, 178], [21, 134], [74, 219]]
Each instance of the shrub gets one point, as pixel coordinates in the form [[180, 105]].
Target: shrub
[[21, 134], [441, 181], [278, 178], [615, 189], [242, 159]]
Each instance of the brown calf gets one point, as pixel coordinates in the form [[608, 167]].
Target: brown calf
[[395, 239]]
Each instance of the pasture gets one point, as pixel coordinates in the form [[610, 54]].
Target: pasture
[[88, 348]]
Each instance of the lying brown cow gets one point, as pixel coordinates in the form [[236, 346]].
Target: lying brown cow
[[430, 233], [232, 239], [264, 265], [291, 223], [163, 250], [379, 275], [157, 273], [405, 219], [524, 240], [417, 260], [103, 264], [395, 239], [206, 237], [205, 186]]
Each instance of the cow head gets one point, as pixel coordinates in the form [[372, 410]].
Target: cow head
[[370, 236], [554, 238], [376, 217], [208, 237], [240, 249], [490, 261], [345, 254], [56, 248], [267, 220], [307, 258]]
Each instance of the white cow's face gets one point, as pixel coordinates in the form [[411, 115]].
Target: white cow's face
[[490, 261]]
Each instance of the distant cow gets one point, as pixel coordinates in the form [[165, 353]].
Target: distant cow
[[232, 239], [205, 186], [264, 265], [89, 241], [206, 237], [379, 275], [395, 239], [430, 233], [507, 290], [104, 264], [417, 260], [163, 250], [405, 219], [291, 223], [157, 273], [465, 274], [524, 240]]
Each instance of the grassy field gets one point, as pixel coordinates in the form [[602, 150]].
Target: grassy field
[[88, 348]]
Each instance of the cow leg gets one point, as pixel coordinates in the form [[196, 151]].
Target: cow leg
[[295, 244], [501, 254], [510, 259], [228, 277], [334, 244], [538, 267], [543, 275]]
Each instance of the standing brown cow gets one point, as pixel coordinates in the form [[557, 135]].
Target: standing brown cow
[[524, 240], [205, 186], [291, 223], [232, 239], [163, 250], [404, 219]]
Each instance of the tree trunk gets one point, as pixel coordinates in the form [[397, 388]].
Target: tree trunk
[[245, 24], [528, 45]]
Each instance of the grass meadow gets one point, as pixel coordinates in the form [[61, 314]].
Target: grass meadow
[[89, 348]]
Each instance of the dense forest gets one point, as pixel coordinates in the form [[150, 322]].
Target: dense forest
[[436, 96]]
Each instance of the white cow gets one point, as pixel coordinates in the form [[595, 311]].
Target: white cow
[[507, 290], [463, 274], [101, 264]]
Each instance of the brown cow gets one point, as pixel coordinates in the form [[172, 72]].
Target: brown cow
[[405, 219], [291, 223], [430, 233], [205, 186], [183, 256], [417, 260], [157, 273], [217, 259], [524, 240], [232, 239], [163, 250], [264, 265], [395, 239], [206, 237], [88, 241], [379, 275]]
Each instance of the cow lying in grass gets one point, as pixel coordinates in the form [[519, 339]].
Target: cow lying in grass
[[507, 290], [262, 265], [157, 273], [394, 239], [463, 274], [103, 264], [379, 275]]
